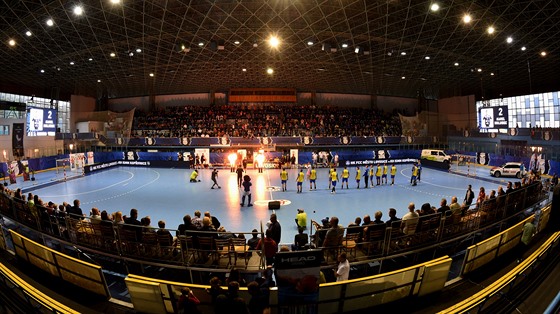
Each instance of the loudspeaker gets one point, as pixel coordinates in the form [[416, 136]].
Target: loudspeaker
[[274, 205]]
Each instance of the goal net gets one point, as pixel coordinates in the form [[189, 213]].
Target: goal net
[[71, 166], [465, 165]]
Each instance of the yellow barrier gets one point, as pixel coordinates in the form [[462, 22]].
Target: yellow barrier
[[151, 295], [39, 297], [481, 296], [83, 274]]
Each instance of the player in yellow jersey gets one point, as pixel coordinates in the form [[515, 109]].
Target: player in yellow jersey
[[384, 175], [284, 178], [393, 173], [312, 179], [345, 176], [334, 180], [378, 173], [371, 175], [299, 180], [414, 175], [358, 176]]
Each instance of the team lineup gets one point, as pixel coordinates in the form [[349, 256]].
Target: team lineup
[[371, 176]]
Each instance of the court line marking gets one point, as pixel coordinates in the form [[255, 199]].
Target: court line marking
[[128, 192], [433, 184], [97, 190]]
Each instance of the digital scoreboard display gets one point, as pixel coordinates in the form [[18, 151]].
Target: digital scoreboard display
[[493, 117], [41, 121]]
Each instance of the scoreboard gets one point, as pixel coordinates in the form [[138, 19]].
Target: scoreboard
[[493, 118], [41, 121]]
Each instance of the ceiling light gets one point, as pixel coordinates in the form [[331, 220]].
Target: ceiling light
[[273, 41], [523, 48], [456, 64], [345, 45], [490, 30], [113, 55], [491, 73], [138, 50], [151, 74], [42, 71], [28, 33], [269, 71], [403, 53], [115, 1], [236, 42], [131, 54], [50, 22], [479, 70], [357, 50], [509, 40], [200, 44], [12, 42], [434, 7], [403, 77], [427, 57], [98, 81], [244, 70], [543, 53], [90, 59], [78, 10], [71, 62], [467, 18], [310, 43]]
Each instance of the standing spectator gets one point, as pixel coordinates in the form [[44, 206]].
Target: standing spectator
[[246, 191], [528, 233], [270, 247], [187, 302], [275, 228], [469, 196], [343, 271]]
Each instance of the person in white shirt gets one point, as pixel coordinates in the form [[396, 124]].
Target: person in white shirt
[[343, 268], [410, 220]]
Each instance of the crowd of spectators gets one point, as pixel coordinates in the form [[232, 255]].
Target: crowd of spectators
[[264, 120]]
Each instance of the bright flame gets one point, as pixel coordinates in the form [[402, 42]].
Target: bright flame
[[232, 159]]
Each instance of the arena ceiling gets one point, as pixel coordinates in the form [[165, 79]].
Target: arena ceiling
[[346, 46]]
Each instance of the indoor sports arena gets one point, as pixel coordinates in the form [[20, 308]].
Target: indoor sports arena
[[279, 156]]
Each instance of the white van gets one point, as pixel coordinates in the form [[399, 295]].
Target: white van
[[435, 155]]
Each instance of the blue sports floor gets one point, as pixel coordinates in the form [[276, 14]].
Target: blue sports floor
[[167, 194]]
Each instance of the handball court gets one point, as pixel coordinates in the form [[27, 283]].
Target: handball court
[[167, 194]]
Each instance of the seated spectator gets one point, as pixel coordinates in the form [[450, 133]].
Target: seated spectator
[[223, 234], [105, 219], [95, 216], [392, 217], [164, 233], [321, 232], [235, 275], [444, 209], [196, 220], [185, 226], [215, 222], [455, 208], [253, 242], [118, 218], [147, 224], [410, 220], [301, 241], [378, 215], [215, 289]]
